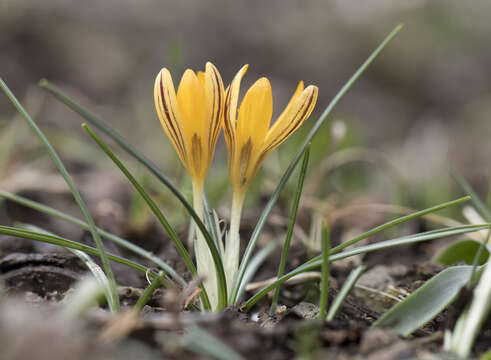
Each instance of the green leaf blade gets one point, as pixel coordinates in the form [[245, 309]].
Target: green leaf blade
[[316, 262], [462, 251], [426, 302], [76, 195], [291, 226], [289, 171], [65, 243], [77, 222], [126, 146]]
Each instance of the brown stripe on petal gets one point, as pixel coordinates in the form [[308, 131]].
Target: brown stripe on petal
[[170, 124], [214, 129], [167, 123], [175, 127], [229, 131], [297, 119], [196, 153], [217, 124], [244, 159], [211, 125], [174, 117], [226, 113]]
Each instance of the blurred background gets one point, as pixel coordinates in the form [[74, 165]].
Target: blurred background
[[425, 102]]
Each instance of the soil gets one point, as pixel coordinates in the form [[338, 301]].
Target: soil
[[37, 277]]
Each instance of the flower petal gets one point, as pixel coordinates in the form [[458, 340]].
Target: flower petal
[[255, 114], [294, 97], [168, 112], [291, 119], [201, 77], [230, 111], [214, 105], [192, 104], [252, 126]]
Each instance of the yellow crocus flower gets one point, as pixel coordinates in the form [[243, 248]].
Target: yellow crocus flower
[[192, 119], [249, 136], [250, 139]]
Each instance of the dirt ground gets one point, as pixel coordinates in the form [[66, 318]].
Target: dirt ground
[[36, 277]]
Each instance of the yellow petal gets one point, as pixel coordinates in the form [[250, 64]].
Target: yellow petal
[[201, 77], [192, 106], [294, 97], [291, 119], [255, 114], [230, 111], [252, 126], [168, 112], [214, 105]]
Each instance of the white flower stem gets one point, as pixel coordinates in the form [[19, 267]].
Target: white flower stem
[[232, 246], [204, 261]]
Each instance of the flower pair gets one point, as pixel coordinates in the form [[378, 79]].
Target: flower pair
[[193, 119]]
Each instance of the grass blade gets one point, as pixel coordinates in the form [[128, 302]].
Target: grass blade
[[95, 269], [404, 240], [475, 199], [398, 221], [326, 246], [291, 226], [61, 168], [427, 301], [97, 273], [163, 220], [147, 294], [480, 207], [347, 286], [316, 262], [69, 244], [101, 125], [269, 206], [213, 224], [153, 206], [392, 223], [257, 260], [116, 239]]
